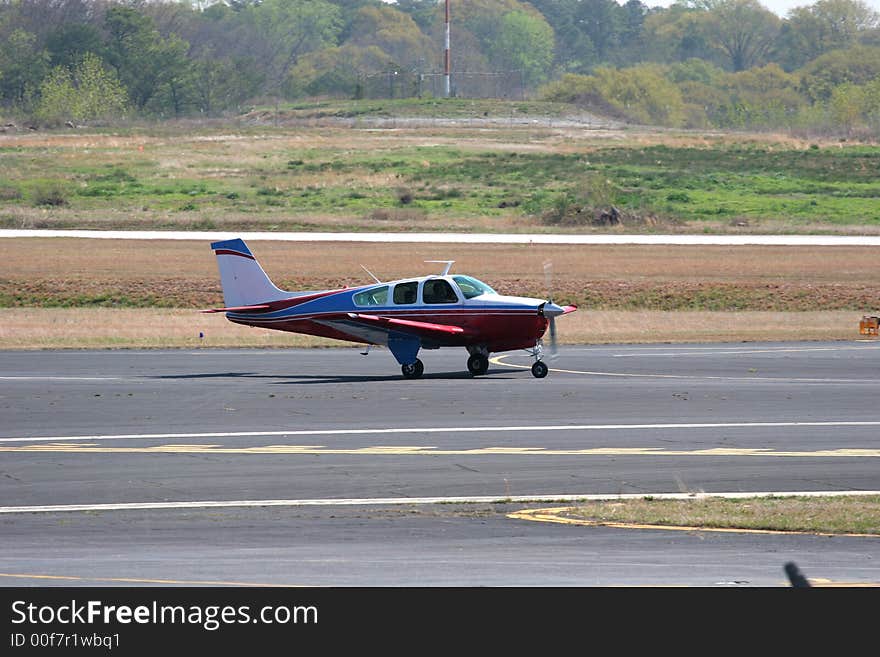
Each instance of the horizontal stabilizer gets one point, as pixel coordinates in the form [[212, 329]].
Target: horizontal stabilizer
[[407, 325], [238, 309]]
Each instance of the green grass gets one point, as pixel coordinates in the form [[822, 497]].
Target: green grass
[[283, 177], [426, 108], [856, 514]]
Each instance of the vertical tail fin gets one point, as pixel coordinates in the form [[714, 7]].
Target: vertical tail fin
[[243, 280]]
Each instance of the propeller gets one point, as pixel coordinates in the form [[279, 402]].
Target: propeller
[[548, 280]]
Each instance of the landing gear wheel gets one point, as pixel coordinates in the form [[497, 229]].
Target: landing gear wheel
[[539, 369], [414, 370], [478, 364]]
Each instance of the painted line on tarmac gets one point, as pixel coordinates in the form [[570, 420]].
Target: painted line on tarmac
[[430, 450], [736, 352], [66, 378], [139, 580], [458, 238], [557, 515], [390, 501], [444, 430], [499, 360]]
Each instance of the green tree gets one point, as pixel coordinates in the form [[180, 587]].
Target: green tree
[[337, 71], [153, 68], [764, 97], [475, 27], [89, 92], [742, 29], [23, 65], [288, 29], [223, 83], [827, 25], [642, 94], [394, 32], [69, 43], [859, 65], [525, 43], [846, 105], [677, 34]]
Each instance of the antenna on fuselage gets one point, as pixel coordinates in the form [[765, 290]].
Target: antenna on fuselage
[[371, 274], [448, 264]]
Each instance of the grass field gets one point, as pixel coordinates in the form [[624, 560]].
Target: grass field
[[57, 292], [844, 514], [259, 174]]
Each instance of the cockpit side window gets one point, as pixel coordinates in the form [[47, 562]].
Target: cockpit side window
[[438, 291], [471, 287], [375, 296], [405, 293]]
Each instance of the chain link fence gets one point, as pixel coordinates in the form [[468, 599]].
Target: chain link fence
[[415, 84]]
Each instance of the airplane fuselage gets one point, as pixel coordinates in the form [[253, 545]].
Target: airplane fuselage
[[493, 321]]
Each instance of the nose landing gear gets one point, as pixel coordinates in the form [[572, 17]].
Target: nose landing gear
[[539, 367]]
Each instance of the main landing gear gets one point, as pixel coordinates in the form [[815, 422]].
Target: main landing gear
[[478, 364], [413, 370]]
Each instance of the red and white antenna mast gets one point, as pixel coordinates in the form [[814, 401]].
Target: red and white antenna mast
[[446, 66]]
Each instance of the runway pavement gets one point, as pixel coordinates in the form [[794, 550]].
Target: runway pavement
[[231, 458]]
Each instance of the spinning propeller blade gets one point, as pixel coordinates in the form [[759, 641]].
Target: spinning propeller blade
[[548, 285]]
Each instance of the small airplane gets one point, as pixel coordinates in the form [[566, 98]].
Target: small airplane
[[406, 315]]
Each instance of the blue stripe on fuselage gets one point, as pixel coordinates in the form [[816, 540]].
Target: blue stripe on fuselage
[[342, 302]]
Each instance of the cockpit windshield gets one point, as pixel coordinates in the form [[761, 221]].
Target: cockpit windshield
[[471, 287]]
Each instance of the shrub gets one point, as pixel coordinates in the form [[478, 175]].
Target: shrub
[[52, 193]]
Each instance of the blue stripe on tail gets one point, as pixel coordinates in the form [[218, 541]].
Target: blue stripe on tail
[[234, 245]]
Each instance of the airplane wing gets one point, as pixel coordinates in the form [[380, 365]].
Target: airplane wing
[[421, 329]]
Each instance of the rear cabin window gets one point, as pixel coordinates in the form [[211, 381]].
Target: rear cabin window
[[405, 293], [377, 296], [438, 291]]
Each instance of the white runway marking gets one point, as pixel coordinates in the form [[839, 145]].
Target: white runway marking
[[434, 430], [65, 378], [461, 238], [736, 352], [499, 360], [568, 497]]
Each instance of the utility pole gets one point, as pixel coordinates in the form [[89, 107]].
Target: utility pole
[[446, 57]]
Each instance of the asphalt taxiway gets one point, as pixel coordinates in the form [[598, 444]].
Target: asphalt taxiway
[[325, 467]]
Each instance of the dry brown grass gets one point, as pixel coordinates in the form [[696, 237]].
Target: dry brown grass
[[120, 260], [618, 326], [186, 272], [83, 328], [91, 328]]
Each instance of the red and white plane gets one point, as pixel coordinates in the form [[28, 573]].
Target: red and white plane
[[428, 312]]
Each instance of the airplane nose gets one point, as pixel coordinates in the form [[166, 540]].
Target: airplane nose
[[550, 310]]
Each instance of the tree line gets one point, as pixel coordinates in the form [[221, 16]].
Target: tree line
[[697, 63]]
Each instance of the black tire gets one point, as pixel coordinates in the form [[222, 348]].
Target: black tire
[[414, 370], [478, 364], [539, 369]]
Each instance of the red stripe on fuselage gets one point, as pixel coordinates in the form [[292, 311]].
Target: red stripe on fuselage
[[234, 253]]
